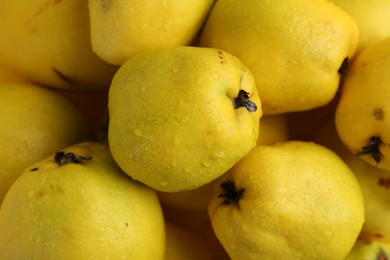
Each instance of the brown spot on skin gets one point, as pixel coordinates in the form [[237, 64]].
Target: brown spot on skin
[[106, 4], [378, 235], [34, 169], [67, 232], [384, 182], [62, 76], [378, 113], [41, 193], [220, 56], [126, 224], [40, 10]]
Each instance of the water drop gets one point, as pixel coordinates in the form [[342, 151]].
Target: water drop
[[206, 163], [220, 154], [125, 236], [138, 132], [208, 143]]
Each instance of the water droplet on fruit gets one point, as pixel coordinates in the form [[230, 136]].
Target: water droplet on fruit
[[206, 163], [219, 154], [138, 132], [164, 183], [208, 143], [125, 236]]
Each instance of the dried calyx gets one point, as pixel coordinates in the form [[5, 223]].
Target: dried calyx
[[242, 100], [62, 158], [372, 148], [230, 193]]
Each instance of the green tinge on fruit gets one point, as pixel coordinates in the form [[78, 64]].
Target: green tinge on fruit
[[86, 209], [181, 117]]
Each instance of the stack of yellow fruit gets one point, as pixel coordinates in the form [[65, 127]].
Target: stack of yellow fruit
[[197, 129]]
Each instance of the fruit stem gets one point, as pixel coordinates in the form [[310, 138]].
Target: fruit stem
[[231, 194], [62, 158], [242, 100], [372, 148]]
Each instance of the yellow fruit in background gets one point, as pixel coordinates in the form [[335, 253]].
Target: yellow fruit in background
[[77, 204], [273, 128], [369, 249], [122, 28], [193, 200], [198, 223], [181, 117], [374, 183], [296, 49], [48, 42], [372, 18], [9, 76], [302, 124], [182, 244], [36, 122], [362, 114], [93, 105], [291, 200]]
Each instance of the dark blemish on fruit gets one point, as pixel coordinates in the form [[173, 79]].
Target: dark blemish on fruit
[[385, 183], [106, 4], [372, 148], [231, 194], [378, 235], [62, 158], [34, 169], [40, 10], [126, 224], [344, 66], [62, 76], [378, 113], [220, 56], [242, 100], [41, 193]]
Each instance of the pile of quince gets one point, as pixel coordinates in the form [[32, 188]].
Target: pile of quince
[[198, 129]]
